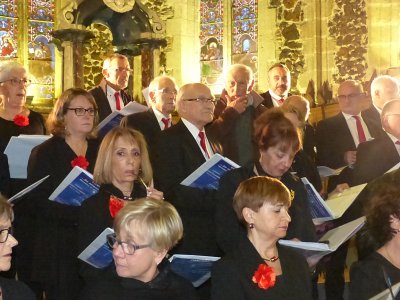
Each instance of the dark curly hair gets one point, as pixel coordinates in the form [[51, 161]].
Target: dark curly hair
[[383, 202]]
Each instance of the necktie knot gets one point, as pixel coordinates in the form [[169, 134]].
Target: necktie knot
[[397, 143], [280, 101], [203, 145], [360, 130], [166, 122], [117, 100]]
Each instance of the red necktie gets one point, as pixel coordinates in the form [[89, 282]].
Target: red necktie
[[117, 101], [280, 101], [166, 122], [397, 143], [203, 143], [360, 130]]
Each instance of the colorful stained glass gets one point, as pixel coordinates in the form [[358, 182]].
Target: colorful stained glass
[[8, 8], [8, 37], [40, 48], [41, 10], [211, 39], [244, 33]]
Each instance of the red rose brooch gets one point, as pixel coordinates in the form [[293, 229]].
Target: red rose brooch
[[114, 205], [21, 120], [264, 276], [80, 161]]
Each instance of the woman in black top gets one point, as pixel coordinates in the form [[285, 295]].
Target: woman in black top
[[257, 267], [72, 124], [381, 232], [278, 142], [124, 173], [145, 230]]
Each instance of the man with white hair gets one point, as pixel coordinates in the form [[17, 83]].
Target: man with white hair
[[239, 104], [109, 94], [383, 89], [377, 156], [162, 94]]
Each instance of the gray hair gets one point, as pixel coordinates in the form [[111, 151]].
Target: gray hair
[[7, 67]]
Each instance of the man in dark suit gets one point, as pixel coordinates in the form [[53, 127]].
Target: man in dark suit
[[180, 150], [110, 94], [162, 94], [376, 157], [240, 104], [337, 140], [383, 89], [279, 86]]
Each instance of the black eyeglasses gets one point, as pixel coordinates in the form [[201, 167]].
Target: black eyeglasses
[[16, 82], [127, 247], [80, 111], [201, 100], [4, 233]]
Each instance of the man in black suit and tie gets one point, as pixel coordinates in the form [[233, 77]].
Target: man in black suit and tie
[[180, 150], [337, 140], [376, 157], [279, 86], [109, 94], [162, 94], [383, 89]]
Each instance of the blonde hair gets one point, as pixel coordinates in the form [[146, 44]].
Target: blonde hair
[[56, 121], [158, 222], [103, 169]]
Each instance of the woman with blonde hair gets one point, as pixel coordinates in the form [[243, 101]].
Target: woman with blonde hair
[[124, 173]]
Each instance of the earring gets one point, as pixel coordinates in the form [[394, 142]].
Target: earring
[[251, 225]]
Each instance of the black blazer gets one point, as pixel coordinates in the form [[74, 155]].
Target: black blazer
[[334, 139], [267, 99], [177, 156], [232, 275], [373, 114], [103, 105], [374, 158], [146, 122]]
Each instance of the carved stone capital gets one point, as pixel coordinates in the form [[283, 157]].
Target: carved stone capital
[[120, 6]]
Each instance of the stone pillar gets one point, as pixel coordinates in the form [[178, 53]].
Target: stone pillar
[[147, 65], [72, 40]]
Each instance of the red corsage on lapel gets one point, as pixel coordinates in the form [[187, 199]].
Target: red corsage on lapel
[[264, 276], [80, 161], [21, 120], [114, 205]]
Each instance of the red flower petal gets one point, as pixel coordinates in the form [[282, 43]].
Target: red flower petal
[[265, 276], [114, 205], [80, 161], [21, 120]]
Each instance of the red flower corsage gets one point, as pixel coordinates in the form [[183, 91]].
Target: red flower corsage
[[114, 205], [264, 276], [21, 120], [80, 161]]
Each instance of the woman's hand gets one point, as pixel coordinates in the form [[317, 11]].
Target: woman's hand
[[155, 194]]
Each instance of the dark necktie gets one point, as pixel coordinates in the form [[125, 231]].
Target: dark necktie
[[203, 143], [117, 101], [166, 122], [360, 130]]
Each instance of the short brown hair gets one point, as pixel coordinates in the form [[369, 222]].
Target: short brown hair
[[159, 222], [272, 128], [56, 122], [256, 191], [102, 169], [6, 209], [384, 202]]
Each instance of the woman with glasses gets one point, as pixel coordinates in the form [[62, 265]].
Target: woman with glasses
[[72, 123], [10, 289], [124, 173], [145, 230], [258, 267]]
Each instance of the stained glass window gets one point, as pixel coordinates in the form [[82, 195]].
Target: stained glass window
[[211, 39], [8, 29], [244, 33], [40, 50]]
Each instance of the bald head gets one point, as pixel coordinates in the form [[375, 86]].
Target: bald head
[[195, 103], [350, 95], [390, 117], [383, 89]]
